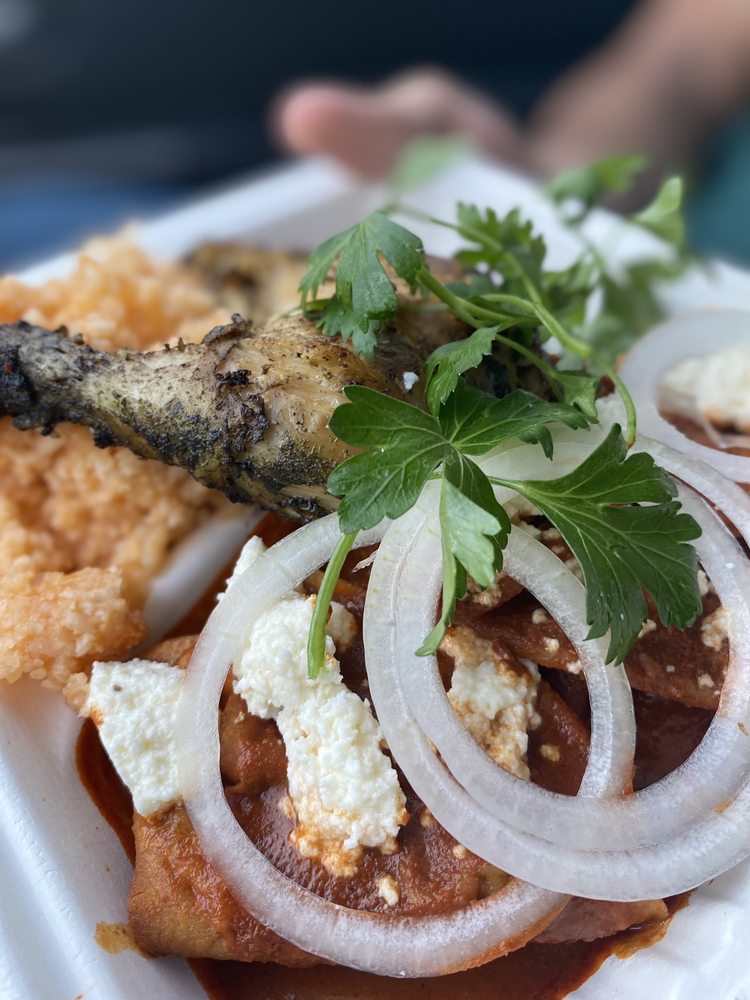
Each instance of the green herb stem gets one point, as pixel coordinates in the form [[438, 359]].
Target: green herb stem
[[459, 306], [472, 313], [629, 405], [316, 639], [536, 303], [547, 370], [511, 300]]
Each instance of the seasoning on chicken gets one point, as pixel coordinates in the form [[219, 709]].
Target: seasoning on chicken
[[245, 412]]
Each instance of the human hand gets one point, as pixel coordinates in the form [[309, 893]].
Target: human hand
[[366, 128]]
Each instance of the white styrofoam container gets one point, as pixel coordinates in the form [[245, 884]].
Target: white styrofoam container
[[62, 869]]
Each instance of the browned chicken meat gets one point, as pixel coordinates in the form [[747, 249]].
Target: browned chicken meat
[[246, 411]]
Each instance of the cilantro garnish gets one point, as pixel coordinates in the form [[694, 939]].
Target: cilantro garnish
[[623, 549], [365, 294], [578, 191], [616, 513], [405, 445]]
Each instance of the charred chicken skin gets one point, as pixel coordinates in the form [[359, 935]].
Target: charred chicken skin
[[246, 411]]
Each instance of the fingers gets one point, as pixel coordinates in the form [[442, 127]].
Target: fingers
[[353, 126], [365, 129]]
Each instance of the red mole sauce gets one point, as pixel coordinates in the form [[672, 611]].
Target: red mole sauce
[[667, 732]]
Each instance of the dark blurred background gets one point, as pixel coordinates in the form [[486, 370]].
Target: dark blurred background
[[110, 109]]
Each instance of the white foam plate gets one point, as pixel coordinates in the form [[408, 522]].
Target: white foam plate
[[62, 870]]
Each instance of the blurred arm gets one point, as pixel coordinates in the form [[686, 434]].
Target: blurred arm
[[674, 71]]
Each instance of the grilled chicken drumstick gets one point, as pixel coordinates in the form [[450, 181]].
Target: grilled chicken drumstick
[[245, 411]]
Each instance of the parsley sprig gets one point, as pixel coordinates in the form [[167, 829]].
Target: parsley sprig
[[622, 546], [616, 512]]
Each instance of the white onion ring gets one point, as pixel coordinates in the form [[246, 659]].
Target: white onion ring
[[708, 846], [691, 335], [714, 772], [724, 494], [393, 946], [528, 807], [717, 767]]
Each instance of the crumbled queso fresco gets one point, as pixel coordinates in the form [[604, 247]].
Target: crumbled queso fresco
[[494, 698], [344, 791], [714, 629], [135, 706], [717, 385]]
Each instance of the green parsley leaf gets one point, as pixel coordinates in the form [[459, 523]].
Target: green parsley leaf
[[365, 294], [338, 319], [468, 530], [576, 389], [475, 422], [406, 445], [567, 292], [454, 588], [663, 217], [623, 549], [589, 185], [503, 240], [445, 365], [474, 532], [471, 482]]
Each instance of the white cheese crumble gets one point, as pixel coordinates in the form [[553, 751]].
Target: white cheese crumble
[[550, 752], [388, 890], [714, 629], [539, 616], [705, 681], [426, 819], [253, 548], [493, 697], [717, 385], [344, 789], [489, 597], [409, 379], [520, 509], [648, 626], [134, 705]]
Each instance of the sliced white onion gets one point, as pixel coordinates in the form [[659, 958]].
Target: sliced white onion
[[528, 461], [559, 818], [713, 773], [393, 946], [691, 335], [718, 832], [724, 493]]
